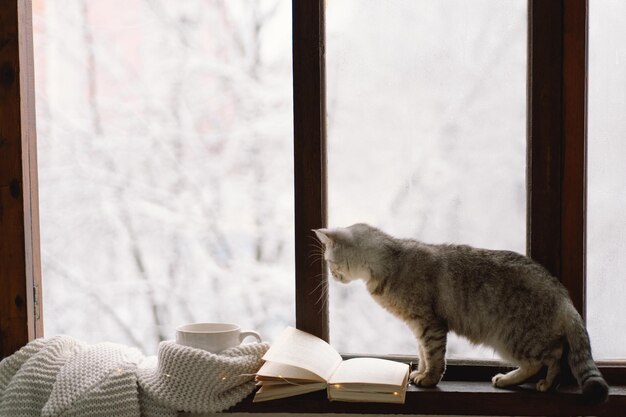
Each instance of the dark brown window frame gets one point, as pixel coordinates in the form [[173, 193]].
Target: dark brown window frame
[[557, 59], [556, 137], [556, 201], [556, 161], [20, 261]]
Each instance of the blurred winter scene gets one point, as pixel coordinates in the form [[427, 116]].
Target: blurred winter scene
[[165, 157]]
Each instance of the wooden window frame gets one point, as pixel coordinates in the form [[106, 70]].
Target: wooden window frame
[[556, 176], [556, 147], [556, 202], [20, 260]]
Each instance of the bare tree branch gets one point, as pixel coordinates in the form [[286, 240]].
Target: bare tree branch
[[79, 282]]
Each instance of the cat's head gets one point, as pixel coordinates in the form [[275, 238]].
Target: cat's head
[[351, 251]]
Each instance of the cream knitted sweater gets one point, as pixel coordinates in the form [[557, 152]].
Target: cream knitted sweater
[[61, 376]]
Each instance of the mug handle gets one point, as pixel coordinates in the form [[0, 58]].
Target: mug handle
[[245, 333]]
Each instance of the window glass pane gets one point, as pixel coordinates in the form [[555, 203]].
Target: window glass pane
[[158, 206], [426, 138], [606, 200]]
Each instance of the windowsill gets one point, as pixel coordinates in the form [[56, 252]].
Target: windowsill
[[465, 390], [454, 397]]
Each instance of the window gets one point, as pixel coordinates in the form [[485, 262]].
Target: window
[[437, 151], [556, 196], [606, 265], [555, 156], [555, 153], [157, 204]]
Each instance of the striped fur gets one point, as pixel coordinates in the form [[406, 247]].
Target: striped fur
[[581, 363], [497, 298]]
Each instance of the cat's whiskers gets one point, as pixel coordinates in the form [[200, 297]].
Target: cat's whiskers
[[319, 249], [323, 288], [316, 249], [315, 240], [323, 296], [314, 261], [317, 256], [317, 246], [316, 253], [317, 287]]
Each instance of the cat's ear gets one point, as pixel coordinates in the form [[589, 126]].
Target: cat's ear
[[325, 236]]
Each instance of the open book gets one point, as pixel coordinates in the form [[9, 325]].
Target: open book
[[298, 363]]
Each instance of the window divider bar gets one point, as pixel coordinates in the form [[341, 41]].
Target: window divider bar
[[309, 106], [573, 216], [557, 59], [545, 132]]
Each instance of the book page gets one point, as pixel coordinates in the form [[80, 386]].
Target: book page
[[285, 373], [273, 392], [371, 371], [369, 397], [298, 348]]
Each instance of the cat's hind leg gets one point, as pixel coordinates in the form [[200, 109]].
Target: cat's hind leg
[[516, 376], [554, 368]]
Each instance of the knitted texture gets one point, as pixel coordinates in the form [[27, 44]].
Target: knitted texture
[[193, 380], [151, 408], [98, 381], [62, 376], [27, 377]]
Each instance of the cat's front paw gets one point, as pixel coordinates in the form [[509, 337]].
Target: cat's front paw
[[496, 380], [424, 379], [415, 374]]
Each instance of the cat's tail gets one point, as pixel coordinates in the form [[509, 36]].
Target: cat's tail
[[594, 387]]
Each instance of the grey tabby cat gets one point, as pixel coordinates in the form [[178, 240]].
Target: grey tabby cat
[[497, 298]]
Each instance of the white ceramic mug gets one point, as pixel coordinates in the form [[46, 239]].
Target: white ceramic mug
[[212, 337]]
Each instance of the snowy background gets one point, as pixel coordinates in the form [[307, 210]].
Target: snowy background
[[165, 153]]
